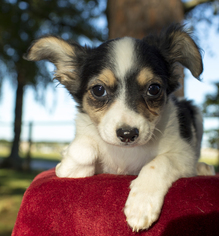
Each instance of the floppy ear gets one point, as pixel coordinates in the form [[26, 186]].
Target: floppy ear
[[177, 46], [63, 55]]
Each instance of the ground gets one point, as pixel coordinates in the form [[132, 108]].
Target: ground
[[13, 185]]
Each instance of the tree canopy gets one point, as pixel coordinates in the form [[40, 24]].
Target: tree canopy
[[211, 109], [23, 21], [211, 103]]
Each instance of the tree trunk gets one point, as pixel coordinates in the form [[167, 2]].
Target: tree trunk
[[140, 18], [13, 160], [27, 162]]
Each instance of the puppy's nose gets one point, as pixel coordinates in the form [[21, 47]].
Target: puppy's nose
[[127, 135]]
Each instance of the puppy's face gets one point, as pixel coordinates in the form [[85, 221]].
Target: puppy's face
[[126, 98], [124, 84]]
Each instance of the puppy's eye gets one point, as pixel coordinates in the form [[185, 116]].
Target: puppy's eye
[[99, 91], [153, 90]]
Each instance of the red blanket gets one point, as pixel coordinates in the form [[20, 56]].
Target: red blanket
[[93, 206]]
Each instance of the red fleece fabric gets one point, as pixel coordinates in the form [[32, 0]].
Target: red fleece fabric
[[93, 206]]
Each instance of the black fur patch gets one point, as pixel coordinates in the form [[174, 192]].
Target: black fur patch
[[186, 115], [96, 59], [150, 56], [136, 94]]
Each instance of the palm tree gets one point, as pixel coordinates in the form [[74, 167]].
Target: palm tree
[[23, 21]]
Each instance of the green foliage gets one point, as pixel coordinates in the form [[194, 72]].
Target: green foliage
[[211, 109], [211, 103], [213, 138], [23, 21]]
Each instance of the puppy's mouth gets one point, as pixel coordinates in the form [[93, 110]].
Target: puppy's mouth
[[128, 144], [139, 141], [126, 137]]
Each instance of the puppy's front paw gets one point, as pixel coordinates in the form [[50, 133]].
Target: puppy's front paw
[[78, 160], [74, 171], [142, 207]]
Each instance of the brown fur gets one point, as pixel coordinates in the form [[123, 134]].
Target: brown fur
[[94, 108], [144, 76], [108, 78]]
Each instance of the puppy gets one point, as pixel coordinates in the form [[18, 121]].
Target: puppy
[[129, 123]]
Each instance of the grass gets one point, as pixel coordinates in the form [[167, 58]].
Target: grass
[[211, 161], [210, 157], [50, 156], [13, 185], [53, 156]]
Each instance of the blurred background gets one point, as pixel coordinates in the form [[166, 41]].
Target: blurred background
[[37, 114]]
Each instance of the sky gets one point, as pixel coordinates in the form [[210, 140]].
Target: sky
[[54, 121]]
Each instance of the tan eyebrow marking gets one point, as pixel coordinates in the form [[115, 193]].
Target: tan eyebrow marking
[[107, 77], [144, 76]]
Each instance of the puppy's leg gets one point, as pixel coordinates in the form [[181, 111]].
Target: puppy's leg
[[205, 169], [148, 190], [78, 159]]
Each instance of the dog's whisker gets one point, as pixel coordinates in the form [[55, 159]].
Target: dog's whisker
[[158, 130], [90, 124], [153, 138]]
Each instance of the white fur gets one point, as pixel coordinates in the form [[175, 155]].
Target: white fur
[[158, 162], [123, 56]]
